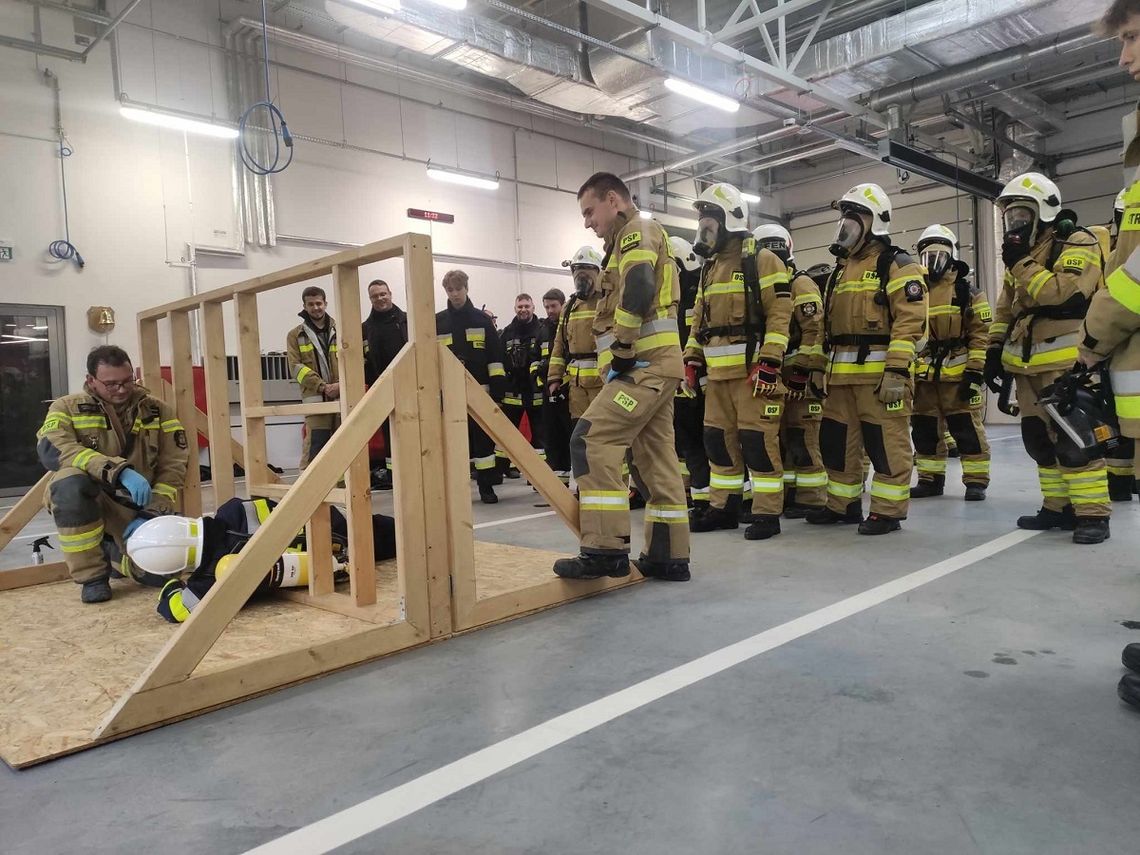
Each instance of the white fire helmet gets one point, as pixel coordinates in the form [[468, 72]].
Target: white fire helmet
[[586, 256], [168, 545], [1032, 187], [774, 237], [730, 201], [937, 249], [873, 200], [683, 251]]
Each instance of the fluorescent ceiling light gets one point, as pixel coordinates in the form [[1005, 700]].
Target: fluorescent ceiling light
[[380, 5], [699, 93], [177, 122], [456, 5], [750, 198], [467, 179]]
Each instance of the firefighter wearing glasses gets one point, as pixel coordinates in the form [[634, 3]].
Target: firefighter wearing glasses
[[738, 336]]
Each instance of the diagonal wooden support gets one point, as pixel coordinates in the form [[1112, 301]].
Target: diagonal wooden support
[[22, 513]]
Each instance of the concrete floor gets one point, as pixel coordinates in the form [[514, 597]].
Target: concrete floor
[[975, 714]]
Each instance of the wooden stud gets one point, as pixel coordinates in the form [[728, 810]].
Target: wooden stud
[[24, 511], [408, 492], [217, 403], [318, 543], [457, 454], [150, 359], [33, 574], [182, 379], [249, 386], [295, 409], [336, 496]]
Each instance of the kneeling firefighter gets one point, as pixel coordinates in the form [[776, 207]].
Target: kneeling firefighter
[[203, 546]]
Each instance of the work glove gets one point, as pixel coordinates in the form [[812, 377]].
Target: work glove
[[136, 485], [131, 526], [893, 385], [765, 378], [993, 369], [692, 376], [623, 365], [797, 383], [971, 385], [556, 393], [1013, 252]]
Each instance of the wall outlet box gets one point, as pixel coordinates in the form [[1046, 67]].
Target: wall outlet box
[[6, 250]]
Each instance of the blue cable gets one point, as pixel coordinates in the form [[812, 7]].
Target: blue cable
[[248, 157], [65, 250]]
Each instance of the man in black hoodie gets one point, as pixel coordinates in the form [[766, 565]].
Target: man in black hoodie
[[384, 331], [526, 348], [471, 336], [312, 353]]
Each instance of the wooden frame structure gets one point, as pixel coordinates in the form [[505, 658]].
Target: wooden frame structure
[[437, 575]]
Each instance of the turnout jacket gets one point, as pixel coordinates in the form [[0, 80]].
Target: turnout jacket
[[85, 432], [384, 333], [636, 313], [727, 314], [805, 333], [871, 325], [471, 336], [526, 351], [313, 357], [959, 321], [573, 354], [1043, 301]]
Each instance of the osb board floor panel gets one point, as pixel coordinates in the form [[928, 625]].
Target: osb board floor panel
[[63, 665]]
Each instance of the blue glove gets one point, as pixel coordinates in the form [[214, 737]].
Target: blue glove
[[614, 373], [131, 526], [136, 485]]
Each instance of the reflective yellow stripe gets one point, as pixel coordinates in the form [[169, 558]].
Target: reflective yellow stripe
[[810, 480], [844, 491], [939, 311], [303, 372], [261, 508], [774, 279], [901, 346], [97, 422], [855, 368], [474, 335], [890, 492], [895, 284], [177, 608], [804, 299], [495, 369], [603, 500], [726, 482], [1052, 484], [998, 329], [664, 339], [717, 288], [856, 287], [669, 514], [81, 542], [935, 465], [776, 338], [974, 355], [1081, 254], [1124, 289], [622, 318], [305, 348], [166, 490], [767, 485], [171, 426], [83, 458], [976, 467], [1037, 283], [1128, 406], [636, 256], [445, 338]]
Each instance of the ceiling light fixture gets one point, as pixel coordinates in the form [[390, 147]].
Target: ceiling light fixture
[[454, 5], [460, 176], [700, 93], [177, 122], [750, 198], [379, 5]]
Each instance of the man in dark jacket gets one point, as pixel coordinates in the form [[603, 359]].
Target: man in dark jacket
[[471, 336], [555, 413], [384, 331], [526, 348]]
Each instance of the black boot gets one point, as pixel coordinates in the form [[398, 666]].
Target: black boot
[[1120, 487], [974, 493], [826, 516], [1046, 519], [878, 524], [636, 500], [382, 479], [96, 591], [934, 485], [713, 519], [1130, 656], [1128, 689], [487, 496], [789, 497], [763, 527], [666, 571], [592, 566], [746, 514], [798, 512], [1091, 530]]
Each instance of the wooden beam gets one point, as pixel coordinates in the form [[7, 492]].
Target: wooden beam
[[217, 422], [294, 409], [197, 635], [182, 379], [336, 496], [150, 359], [408, 493], [457, 458], [318, 543], [536, 470], [24, 511], [249, 387], [33, 574]]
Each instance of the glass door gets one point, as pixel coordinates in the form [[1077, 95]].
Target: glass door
[[32, 375]]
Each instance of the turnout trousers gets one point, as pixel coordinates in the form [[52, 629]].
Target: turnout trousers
[[635, 413], [743, 431], [855, 422], [938, 404], [84, 515], [318, 431], [799, 448], [688, 429]]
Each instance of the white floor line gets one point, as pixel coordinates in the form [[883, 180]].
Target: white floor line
[[395, 804], [493, 523]]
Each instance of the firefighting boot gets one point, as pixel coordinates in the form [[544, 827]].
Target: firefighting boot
[[1130, 656], [592, 566], [1128, 689], [746, 514], [934, 485], [763, 527], [1120, 487], [826, 516], [1091, 530], [666, 571], [717, 519], [96, 591], [1046, 519], [878, 524], [974, 493], [487, 496]]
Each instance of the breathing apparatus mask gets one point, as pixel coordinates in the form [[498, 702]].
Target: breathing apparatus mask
[[1019, 224], [937, 258], [1082, 409], [711, 232], [585, 278], [851, 233]]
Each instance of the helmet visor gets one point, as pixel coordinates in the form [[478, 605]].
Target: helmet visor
[[936, 259], [710, 232], [848, 234], [1018, 217]]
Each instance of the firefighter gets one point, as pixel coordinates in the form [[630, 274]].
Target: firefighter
[[312, 352], [573, 373], [689, 406], [738, 336], [112, 436], [556, 413], [805, 479], [874, 315], [385, 332], [639, 357], [948, 385], [526, 350], [470, 334], [1052, 269]]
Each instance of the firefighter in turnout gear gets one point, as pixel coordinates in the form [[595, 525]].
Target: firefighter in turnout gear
[[113, 436], [738, 336], [312, 351], [874, 316], [1052, 270], [689, 407], [948, 376], [639, 355], [805, 479], [574, 358], [526, 349], [470, 334]]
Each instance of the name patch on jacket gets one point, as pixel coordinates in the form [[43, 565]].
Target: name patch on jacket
[[90, 408], [631, 241], [913, 291]]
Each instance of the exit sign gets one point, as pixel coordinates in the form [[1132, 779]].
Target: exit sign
[[433, 216]]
